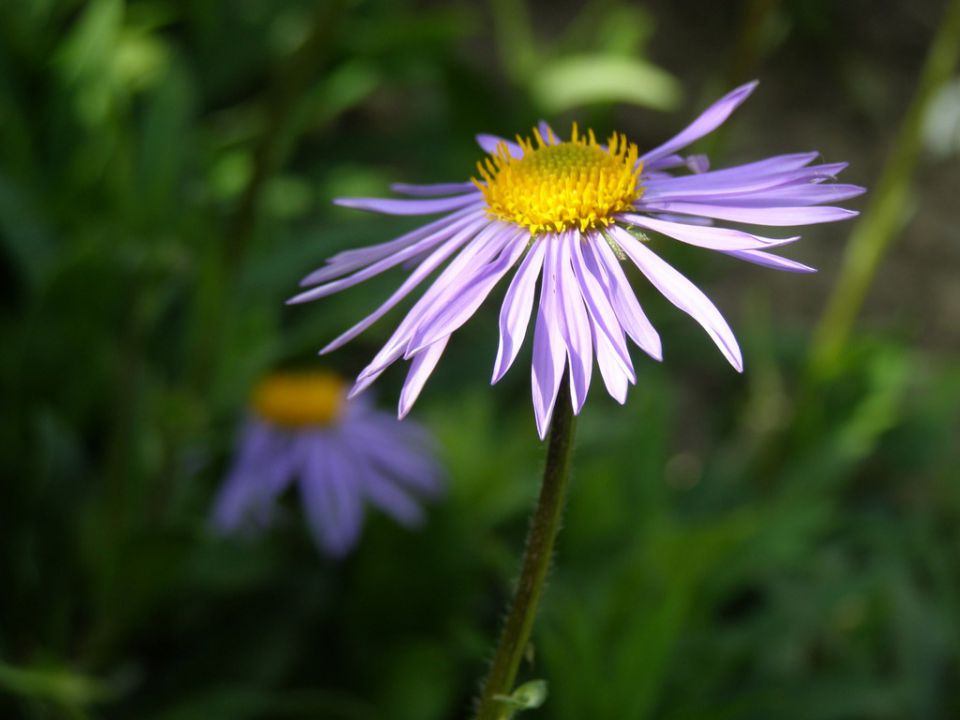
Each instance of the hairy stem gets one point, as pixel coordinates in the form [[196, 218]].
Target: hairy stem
[[544, 527]]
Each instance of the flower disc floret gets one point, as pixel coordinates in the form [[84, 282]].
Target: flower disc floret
[[300, 399], [559, 186]]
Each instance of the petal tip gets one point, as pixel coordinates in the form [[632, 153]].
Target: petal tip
[[358, 388], [542, 430]]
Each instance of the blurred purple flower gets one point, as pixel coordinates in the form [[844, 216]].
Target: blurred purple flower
[[343, 455], [569, 213]]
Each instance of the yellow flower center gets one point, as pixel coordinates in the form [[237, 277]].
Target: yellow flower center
[[575, 184], [300, 399]]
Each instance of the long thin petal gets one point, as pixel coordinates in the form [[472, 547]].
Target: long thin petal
[[775, 216], [606, 266], [331, 499], [682, 293], [707, 122], [349, 260], [436, 258], [667, 162], [263, 468], [787, 195], [615, 378], [421, 368], [713, 238], [546, 132], [452, 315], [391, 206], [605, 323], [487, 243], [434, 189], [467, 229], [388, 446], [546, 370], [677, 189], [489, 145], [515, 311], [383, 492], [575, 326], [769, 260], [694, 163], [749, 176]]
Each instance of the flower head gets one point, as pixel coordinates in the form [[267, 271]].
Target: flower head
[[343, 455], [560, 186], [567, 213]]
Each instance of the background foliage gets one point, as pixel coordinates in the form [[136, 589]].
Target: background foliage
[[784, 543]]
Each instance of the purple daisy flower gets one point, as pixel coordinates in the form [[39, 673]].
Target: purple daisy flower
[[343, 455], [568, 213]]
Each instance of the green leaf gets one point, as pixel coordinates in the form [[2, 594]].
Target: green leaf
[[526, 697], [58, 684], [582, 80]]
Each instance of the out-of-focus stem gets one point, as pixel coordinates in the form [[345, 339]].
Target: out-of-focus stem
[[885, 212], [223, 261], [544, 527], [514, 37]]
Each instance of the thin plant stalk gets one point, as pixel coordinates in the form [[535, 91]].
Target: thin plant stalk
[[889, 200], [544, 526]]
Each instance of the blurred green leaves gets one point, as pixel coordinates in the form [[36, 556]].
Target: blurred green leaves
[[573, 82], [793, 554], [565, 75], [73, 693], [108, 56]]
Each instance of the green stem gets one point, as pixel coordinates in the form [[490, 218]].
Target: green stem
[[536, 563], [887, 208]]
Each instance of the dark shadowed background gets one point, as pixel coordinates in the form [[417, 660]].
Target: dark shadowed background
[[785, 543]]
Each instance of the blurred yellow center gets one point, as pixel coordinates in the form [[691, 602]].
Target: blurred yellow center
[[300, 399], [554, 187]]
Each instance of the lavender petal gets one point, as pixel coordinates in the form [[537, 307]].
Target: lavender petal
[[736, 180], [707, 122], [489, 241], [436, 258], [775, 216], [546, 132], [682, 293], [615, 379], [787, 195], [331, 496], [348, 260], [389, 446], [575, 324], [489, 143], [515, 311], [390, 206], [771, 261], [435, 189], [452, 315], [548, 349], [605, 265], [384, 493], [712, 238], [422, 366], [376, 268], [605, 323]]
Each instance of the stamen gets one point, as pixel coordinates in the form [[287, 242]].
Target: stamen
[[554, 187]]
